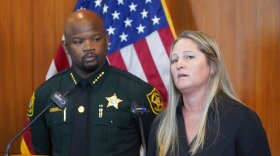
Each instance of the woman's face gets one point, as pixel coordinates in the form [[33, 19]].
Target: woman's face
[[189, 67]]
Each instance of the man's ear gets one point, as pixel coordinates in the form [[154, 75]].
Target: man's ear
[[107, 38], [63, 43], [64, 46]]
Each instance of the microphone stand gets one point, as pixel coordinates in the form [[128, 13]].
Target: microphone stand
[[139, 111], [142, 133], [24, 129], [56, 100]]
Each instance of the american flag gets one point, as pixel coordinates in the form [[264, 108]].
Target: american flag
[[140, 34]]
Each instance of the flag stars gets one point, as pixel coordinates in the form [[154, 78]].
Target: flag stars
[[127, 22], [148, 1], [144, 14], [111, 30], [109, 45], [105, 9], [116, 15], [155, 20], [140, 29], [123, 37], [81, 8], [120, 2], [132, 7], [97, 3]]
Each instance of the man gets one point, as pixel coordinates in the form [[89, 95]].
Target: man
[[98, 119]]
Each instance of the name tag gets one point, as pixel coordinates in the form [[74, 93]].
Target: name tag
[[55, 109]]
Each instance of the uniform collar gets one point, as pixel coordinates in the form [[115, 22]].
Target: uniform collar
[[94, 79]]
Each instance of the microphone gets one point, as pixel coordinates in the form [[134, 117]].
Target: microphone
[[138, 110], [58, 99]]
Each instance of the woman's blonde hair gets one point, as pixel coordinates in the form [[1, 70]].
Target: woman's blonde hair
[[167, 133]]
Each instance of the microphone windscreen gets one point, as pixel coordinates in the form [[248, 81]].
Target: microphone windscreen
[[59, 100]]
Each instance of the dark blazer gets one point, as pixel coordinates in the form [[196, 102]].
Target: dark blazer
[[232, 130]]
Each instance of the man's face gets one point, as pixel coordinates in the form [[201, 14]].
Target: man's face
[[87, 46]]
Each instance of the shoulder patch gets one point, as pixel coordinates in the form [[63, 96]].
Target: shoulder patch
[[31, 105], [155, 101]]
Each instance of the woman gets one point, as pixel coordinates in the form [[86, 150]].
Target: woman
[[204, 117]]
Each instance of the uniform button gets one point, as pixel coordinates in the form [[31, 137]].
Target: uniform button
[[111, 122], [81, 109]]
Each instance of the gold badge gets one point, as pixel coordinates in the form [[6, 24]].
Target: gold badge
[[31, 105], [113, 101], [81, 109], [155, 101]]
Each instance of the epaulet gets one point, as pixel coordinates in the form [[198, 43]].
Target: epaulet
[[54, 78]]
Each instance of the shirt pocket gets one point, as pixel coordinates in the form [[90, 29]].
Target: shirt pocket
[[117, 118], [54, 121], [114, 127]]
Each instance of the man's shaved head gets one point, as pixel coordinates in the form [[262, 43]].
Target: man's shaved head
[[81, 20]]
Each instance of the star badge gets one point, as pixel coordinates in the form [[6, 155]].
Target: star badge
[[113, 101]]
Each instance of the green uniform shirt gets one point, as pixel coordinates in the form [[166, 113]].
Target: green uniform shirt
[[113, 129]]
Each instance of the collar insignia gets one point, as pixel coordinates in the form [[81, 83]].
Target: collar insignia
[[73, 78], [98, 77], [113, 101]]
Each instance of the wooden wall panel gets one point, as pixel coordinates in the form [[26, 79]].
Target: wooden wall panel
[[268, 75], [16, 67], [48, 19], [180, 11], [248, 33], [30, 33]]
